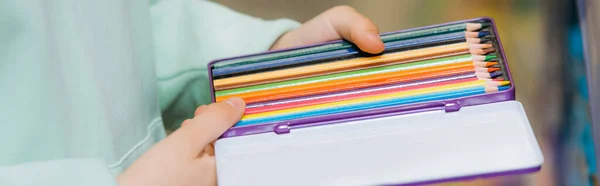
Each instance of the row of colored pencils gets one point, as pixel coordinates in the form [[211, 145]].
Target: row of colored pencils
[[417, 66]]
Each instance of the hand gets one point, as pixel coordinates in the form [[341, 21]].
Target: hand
[[341, 22], [186, 157]]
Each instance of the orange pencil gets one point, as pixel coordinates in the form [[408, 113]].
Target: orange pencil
[[339, 66], [354, 82]]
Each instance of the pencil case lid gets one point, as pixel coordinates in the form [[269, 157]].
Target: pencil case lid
[[411, 149]]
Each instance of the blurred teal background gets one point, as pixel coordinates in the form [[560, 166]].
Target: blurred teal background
[[543, 44]]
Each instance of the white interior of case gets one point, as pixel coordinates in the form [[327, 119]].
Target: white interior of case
[[401, 149]]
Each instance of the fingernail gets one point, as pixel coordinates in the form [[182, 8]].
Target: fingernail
[[373, 36], [235, 102]]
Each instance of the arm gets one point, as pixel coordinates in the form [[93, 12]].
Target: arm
[[87, 172], [188, 35]]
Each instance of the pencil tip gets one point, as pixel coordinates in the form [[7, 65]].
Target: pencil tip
[[485, 24], [482, 34], [493, 69], [489, 64], [495, 74], [484, 39], [503, 87], [490, 57]]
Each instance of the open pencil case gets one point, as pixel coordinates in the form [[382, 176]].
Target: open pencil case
[[437, 105]]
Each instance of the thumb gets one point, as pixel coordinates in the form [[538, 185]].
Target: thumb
[[356, 28], [208, 125], [340, 22]]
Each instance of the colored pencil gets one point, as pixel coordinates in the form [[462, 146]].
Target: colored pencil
[[479, 75], [333, 55], [337, 85], [362, 103], [338, 66], [353, 95], [344, 45], [328, 97], [362, 72], [383, 110], [331, 113], [351, 80], [217, 87], [377, 97], [357, 82], [235, 88], [359, 91], [371, 99], [339, 96]]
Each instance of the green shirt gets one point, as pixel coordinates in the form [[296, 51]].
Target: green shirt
[[86, 85]]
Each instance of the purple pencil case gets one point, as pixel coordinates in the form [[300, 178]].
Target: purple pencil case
[[418, 143]]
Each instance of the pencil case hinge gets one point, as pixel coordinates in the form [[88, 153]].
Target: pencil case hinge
[[282, 128], [452, 106]]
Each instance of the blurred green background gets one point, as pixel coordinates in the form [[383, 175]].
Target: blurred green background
[[535, 35]]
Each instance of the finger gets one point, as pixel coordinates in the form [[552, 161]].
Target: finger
[[209, 124], [199, 110], [356, 28], [185, 122]]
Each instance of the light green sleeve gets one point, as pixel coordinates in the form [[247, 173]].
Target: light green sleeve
[[86, 172], [55, 107], [188, 34]]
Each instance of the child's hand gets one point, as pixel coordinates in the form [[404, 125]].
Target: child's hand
[[341, 22], [186, 157]]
